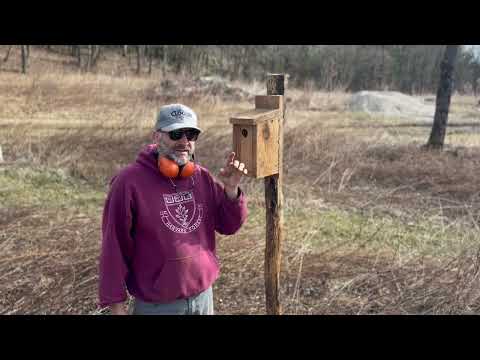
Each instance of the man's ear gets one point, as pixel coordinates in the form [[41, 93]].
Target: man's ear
[[156, 136]]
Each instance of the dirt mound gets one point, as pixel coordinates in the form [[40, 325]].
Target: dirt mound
[[391, 103], [171, 89]]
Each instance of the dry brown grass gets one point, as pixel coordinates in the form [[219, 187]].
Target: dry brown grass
[[353, 282], [48, 263]]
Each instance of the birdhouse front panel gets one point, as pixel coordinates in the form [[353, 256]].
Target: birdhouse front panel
[[244, 146]]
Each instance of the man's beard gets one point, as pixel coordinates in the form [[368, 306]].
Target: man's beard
[[179, 161], [163, 150]]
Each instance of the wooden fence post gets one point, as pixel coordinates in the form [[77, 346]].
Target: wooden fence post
[[274, 212]]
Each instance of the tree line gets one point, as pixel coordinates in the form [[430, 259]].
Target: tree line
[[411, 69]]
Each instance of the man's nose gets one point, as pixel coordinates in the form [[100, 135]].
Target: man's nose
[[183, 139]]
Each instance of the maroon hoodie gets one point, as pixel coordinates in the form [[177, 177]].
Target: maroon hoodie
[[158, 240]]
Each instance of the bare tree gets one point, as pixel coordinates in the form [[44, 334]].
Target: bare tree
[[5, 59], [149, 52], [96, 54], [381, 81], [444, 93], [165, 58], [24, 58], [139, 58], [93, 54], [475, 77], [76, 52], [79, 55], [90, 56]]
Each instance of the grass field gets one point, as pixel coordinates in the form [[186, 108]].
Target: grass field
[[373, 223]]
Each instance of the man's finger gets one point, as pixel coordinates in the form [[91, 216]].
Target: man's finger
[[245, 171], [236, 163], [241, 166], [230, 157]]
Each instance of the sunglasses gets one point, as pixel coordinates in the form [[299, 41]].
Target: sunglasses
[[191, 134]]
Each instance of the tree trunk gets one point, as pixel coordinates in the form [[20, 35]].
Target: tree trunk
[[90, 57], [8, 53], [150, 58], [165, 59], [382, 70], [274, 214], [79, 55], [165, 54], [125, 50], [444, 93], [475, 78], [96, 54], [24, 59], [139, 58]]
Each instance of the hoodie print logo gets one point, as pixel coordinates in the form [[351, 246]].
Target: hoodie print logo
[[183, 215]]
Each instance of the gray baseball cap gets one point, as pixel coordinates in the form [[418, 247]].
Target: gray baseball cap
[[176, 116]]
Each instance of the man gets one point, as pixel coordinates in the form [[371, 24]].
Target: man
[[159, 223]]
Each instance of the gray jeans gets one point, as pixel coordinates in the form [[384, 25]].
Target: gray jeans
[[201, 304]]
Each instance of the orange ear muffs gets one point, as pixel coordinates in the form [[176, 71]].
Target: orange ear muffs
[[188, 169], [169, 168]]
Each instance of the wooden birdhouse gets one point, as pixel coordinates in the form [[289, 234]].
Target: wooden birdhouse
[[256, 136]]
